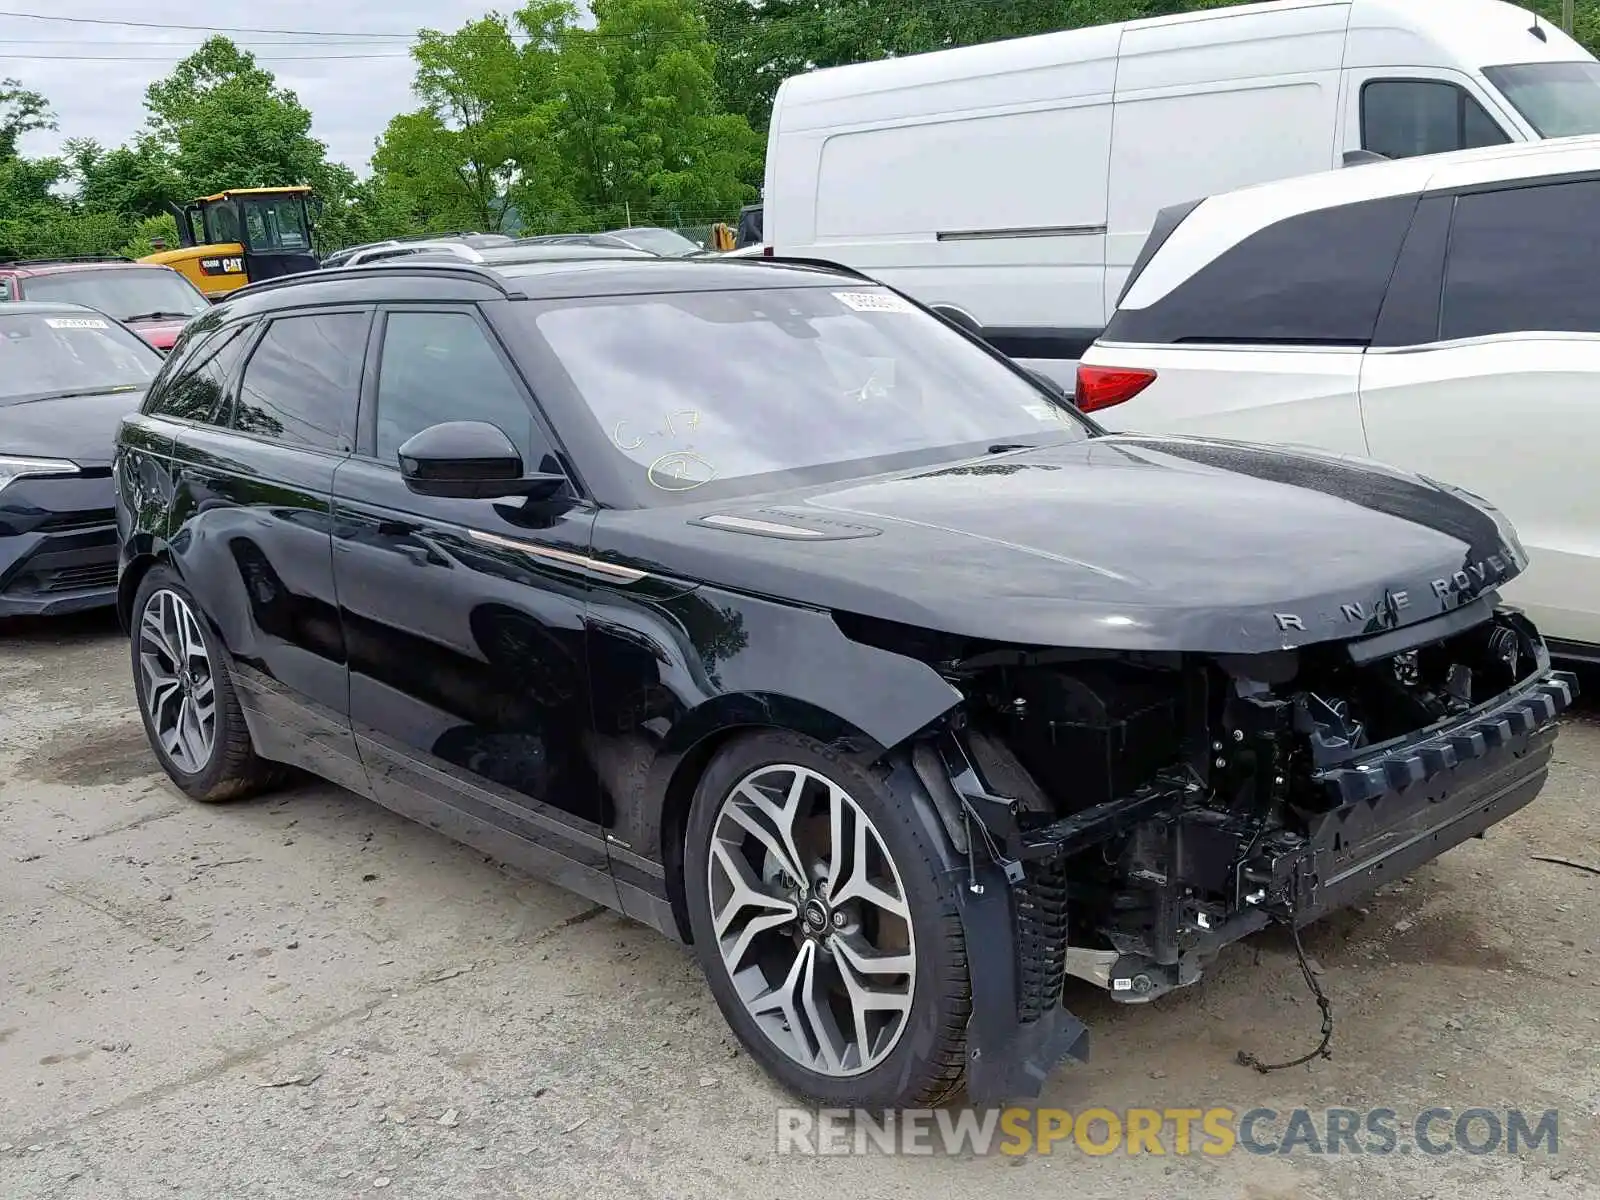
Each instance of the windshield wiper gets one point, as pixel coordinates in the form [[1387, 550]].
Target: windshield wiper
[[1007, 447], [158, 315], [105, 389]]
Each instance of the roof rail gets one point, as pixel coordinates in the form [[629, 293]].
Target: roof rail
[[400, 266], [821, 264], [64, 258]]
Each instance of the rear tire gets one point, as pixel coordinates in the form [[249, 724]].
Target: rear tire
[[849, 985], [186, 699]]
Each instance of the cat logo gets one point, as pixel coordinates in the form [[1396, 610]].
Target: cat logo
[[232, 265]]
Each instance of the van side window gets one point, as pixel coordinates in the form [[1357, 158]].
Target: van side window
[[1524, 259], [1401, 118], [1315, 278], [197, 387], [303, 382]]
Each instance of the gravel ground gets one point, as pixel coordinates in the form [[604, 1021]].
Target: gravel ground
[[303, 996]]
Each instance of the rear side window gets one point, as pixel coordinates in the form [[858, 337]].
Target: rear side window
[[1401, 118], [1315, 278], [196, 389], [303, 382], [5, 287], [1524, 259]]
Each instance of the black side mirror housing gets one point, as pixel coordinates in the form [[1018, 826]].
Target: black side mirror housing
[[471, 460]]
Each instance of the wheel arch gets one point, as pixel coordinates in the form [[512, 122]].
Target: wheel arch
[[700, 737], [141, 557]]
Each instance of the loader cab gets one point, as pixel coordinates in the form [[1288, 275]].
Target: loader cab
[[243, 236]]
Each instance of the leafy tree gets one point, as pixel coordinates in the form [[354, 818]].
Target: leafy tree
[[643, 131], [487, 125], [130, 181], [227, 124], [21, 111]]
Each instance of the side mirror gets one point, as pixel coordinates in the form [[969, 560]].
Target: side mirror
[[470, 460], [1354, 158]]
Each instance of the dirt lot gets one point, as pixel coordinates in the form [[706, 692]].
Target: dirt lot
[[303, 996]]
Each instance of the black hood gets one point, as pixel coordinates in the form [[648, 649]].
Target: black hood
[[80, 428], [1117, 542]]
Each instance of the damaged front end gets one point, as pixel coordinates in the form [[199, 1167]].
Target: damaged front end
[[1121, 817]]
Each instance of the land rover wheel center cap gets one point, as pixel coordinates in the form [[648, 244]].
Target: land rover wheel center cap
[[816, 916]]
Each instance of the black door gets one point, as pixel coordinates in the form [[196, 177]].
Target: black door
[[464, 619], [251, 525]]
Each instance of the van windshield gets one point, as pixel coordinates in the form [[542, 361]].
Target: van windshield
[[1559, 99]]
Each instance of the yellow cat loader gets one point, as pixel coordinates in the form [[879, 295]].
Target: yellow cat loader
[[242, 236]]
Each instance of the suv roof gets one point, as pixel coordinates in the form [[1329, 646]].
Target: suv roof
[[410, 279], [1220, 222]]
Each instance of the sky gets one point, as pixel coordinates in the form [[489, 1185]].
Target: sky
[[351, 99]]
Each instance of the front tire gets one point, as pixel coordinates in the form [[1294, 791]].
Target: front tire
[[823, 921], [185, 694]]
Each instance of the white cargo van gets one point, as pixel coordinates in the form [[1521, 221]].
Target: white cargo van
[[1012, 184]]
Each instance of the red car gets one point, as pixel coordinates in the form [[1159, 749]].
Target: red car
[[155, 302]]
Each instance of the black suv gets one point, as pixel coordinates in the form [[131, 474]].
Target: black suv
[[754, 600]]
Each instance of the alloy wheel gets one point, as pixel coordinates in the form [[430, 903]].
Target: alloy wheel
[[811, 920], [177, 685]]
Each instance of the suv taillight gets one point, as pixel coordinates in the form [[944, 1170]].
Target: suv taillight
[[766, 251], [1101, 387]]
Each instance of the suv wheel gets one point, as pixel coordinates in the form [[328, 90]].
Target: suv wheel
[[829, 938], [186, 698]]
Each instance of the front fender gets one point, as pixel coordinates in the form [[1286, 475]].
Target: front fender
[[1010, 1051]]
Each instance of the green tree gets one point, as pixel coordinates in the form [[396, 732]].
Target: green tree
[[643, 130], [487, 124], [134, 182], [21, 111], [226, 123]]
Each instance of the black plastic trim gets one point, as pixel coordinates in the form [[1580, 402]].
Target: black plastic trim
[[1530, 708]]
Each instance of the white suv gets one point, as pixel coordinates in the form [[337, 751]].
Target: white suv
[[1441, 314]]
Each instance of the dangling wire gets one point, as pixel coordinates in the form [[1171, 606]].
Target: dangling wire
[[1246, 1059]]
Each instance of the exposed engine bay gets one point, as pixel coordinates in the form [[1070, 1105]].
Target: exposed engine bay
[[1149, 808]]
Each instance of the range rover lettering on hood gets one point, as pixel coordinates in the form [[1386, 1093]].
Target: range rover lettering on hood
[[1385, 613]]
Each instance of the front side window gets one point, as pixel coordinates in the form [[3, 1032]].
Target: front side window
[[440, 366], [302, 384], [276, 223], [127, 293], [1524, 259], [196, 389], [70, 354], [1559, 99], [1402, 118], [1313, 279], [690, 388], [221, 220]]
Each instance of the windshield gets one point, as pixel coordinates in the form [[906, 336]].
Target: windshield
[[276, 223], [53, 354], [701, 386], [125, 293], [659, 241], [1559, 99]]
